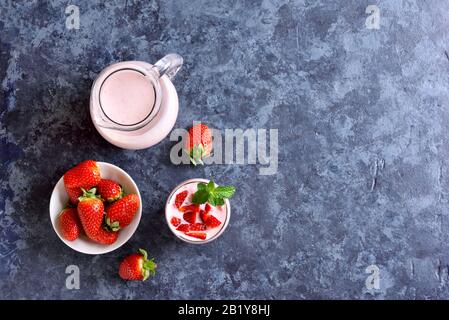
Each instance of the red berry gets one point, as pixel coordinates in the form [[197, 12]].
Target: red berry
[[198, 235], [175, 221], [137, 267], [203, 215], [121, 212], [199, 143], [69, 224], [105, 236], [212, 222], [90, 212], [207, 208], [109, 190], [197, 227], [183, 227], [85, 175], [209, 220], [190, 207], [190, 217], [74, 194], [180, 197]]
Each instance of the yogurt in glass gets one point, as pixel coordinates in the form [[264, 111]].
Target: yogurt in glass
[[222, 213]]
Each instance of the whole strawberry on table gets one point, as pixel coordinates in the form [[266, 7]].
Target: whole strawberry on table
[[98, 207], [137, 266], [199, 143]]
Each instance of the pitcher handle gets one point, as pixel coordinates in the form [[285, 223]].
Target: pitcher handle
[[169, 65]]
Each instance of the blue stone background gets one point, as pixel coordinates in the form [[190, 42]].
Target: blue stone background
[[363, 128]]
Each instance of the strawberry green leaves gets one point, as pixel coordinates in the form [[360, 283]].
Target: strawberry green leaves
[[199, 143], [212, 194], [112, 225], [197, 154], [148, 266]]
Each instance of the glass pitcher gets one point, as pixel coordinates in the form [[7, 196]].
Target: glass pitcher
[[126, 96]]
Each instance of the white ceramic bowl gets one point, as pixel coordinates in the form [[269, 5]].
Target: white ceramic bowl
[[59, 199], [187, 239]]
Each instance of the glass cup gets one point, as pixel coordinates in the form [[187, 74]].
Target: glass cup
[[168, 215]]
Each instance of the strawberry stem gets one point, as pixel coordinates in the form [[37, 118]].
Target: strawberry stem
[[144, 253], [89, 194], [112, 225], [148, 266]]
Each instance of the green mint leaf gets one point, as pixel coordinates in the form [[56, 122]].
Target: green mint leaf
[[201, 186], [224, 191], [211, 200], [218, 201], [201, 196], [215, 196], [210, 186]]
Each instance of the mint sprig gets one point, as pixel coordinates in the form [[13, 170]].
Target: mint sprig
[[212, 194]]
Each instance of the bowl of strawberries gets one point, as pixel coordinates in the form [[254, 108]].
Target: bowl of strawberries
[[95, 207]]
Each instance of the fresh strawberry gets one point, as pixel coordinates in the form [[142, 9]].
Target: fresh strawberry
[[209, 220], [90, 212], [180, 197], [199, 235], [183, 227], [74, 194], [120, 213], [85, 175], [190, 207], [69, 224], [137, 267], [199, 143], [197, 227], [175, 221], [190, 216], [105, 236], [207, 208], [109, 190]]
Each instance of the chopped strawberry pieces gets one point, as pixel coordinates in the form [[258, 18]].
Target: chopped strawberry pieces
[[183, 227], [175, 221], [203, 215], [191, 207], [209, 220], [197, 227], [190, 217], [191, 227], [198, 235], [190, 212], [180, 197], [212, 222]]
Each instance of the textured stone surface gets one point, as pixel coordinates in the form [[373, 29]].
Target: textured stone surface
[[363, 127]]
